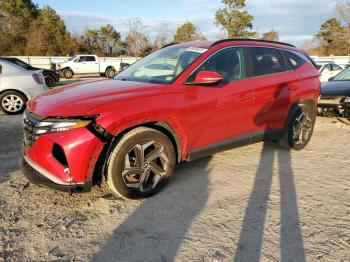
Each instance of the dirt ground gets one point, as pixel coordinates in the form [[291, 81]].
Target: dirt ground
[[256, 203]]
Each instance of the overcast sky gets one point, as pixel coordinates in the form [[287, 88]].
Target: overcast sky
[[296, 20]]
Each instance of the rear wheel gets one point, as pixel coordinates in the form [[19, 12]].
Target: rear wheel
[[110, 72], [141, 163], [50, 81], [67, 73], [12, 102], [299, 128]]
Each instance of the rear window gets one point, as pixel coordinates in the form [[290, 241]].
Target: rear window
[[267, 61], [294, 60]]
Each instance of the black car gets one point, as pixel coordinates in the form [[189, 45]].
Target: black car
[[335, 96], [51, 76]]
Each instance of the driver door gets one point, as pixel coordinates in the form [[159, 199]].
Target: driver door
[[220, 114]]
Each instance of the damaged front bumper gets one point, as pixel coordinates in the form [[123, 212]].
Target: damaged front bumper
[[38, 175], [62, 160]]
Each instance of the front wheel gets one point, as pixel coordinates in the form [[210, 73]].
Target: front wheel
[[299, 128], [140, 164], [12, 102]]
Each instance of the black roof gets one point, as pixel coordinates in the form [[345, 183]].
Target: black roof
[[251, 40]]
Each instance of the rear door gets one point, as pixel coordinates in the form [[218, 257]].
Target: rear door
[[274, 86], [92, 65]]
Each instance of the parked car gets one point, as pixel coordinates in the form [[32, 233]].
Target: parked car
[[51, 76], [335, 96], [133, 130], [328, 70], [87, 64], [17, 86]]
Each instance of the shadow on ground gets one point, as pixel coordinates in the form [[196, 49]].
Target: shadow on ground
[[252, 232], [155, 234]]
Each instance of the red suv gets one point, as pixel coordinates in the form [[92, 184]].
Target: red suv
[[182, 102]]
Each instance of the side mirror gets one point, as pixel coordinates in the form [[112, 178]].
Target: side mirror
[[206, 78], [331, 79]]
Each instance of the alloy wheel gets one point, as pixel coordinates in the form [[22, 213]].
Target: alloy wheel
[[12, 103], [302, 128], [145, 165]]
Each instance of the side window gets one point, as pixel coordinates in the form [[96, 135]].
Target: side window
[[326, 68], [267, 61], [90, 59], [229, 63], [336, 67], [293, 59], [81, 59]]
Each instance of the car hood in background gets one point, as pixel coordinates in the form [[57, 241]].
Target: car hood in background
[[86, 98], [336, 88]]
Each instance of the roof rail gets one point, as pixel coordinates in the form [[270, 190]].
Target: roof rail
[[251, 40], [173, 43]]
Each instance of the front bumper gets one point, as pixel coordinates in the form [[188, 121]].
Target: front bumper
[[38, 175], [62, 160]]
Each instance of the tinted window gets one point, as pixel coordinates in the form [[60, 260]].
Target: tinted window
[[229, 63], [294, 60], [336, 67], [87, 59], [326, 68], [267, 61], [90, 59]]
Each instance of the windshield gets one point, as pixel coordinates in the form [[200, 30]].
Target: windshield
[[72, 58], [162, 66], [20, 63], [343, 75]]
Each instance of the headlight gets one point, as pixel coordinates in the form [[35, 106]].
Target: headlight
[[58, 126]]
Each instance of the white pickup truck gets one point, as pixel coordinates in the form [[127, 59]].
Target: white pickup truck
[[87, 64]]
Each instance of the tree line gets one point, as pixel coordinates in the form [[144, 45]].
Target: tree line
[[333, 38], [27, 29]]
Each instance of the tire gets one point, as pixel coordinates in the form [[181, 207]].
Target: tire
[[132, 176], [67, 73], [299, 128], [110, 72], [50, 81], [12, 102]]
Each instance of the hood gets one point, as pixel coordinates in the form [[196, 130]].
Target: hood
[[85, 98], [336, 88]]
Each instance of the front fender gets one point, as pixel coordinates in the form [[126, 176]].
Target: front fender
[[169, 122]]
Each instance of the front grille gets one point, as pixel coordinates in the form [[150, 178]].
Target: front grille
[[29, 124]]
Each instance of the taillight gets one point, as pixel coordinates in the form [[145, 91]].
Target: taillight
[[38, 79]]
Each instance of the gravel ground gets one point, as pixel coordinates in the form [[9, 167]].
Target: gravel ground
[[256, 203]]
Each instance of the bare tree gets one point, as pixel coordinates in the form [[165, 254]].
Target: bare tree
[[136, 40], [343, 11], [162, 35]]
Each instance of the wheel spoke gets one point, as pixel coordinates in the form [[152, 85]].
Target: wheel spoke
[[144, 179], [157, 170], [139, 155], [155, 153]]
